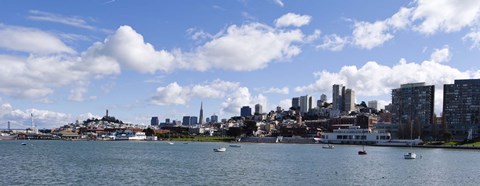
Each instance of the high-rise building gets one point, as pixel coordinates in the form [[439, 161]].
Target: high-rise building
[[193, 120], [323, 98], [258, 109], [167, 120], [349, 100], [154, 121], [412, 102], [373, 104], [296, 103], [207, 120], [186, 120], [306, 103], [245, 111], [201, 113], [461, 107], [337, 97], [214, 118]]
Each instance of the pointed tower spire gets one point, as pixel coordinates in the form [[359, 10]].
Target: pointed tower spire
[[201, 114]]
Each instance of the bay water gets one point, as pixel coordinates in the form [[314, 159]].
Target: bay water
[[195, 163]]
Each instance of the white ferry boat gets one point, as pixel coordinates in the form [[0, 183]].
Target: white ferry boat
[[353, 135], [129, 135]]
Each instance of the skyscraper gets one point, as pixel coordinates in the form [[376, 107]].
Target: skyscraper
[[305, 103], [201, 113], [154, 121], [461, 106], [349, 100], [296, 103], [245, 111], [258, 109], [337, 97], [186, 120], [413, 102], [323, 98], [214, 118]]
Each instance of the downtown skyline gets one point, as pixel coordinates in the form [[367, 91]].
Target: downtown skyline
[[67, 61]]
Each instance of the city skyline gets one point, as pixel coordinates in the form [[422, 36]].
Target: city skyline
[[67, 61]]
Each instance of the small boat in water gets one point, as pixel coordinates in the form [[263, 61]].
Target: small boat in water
[[329, 146], [410, 155], [24, 144], [171, 143], [363, 151], [235, 145], [223, 149]]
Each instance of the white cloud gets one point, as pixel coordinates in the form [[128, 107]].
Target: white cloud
[[445, 15], [369, 35], [22, 118], [56, 18], [374, 79], [441, 55], [239, 98], [174, 94], [35, 76], [424, 16], [474, 37], [285, 104], [243, 48], [283, 90], [279, 2], [31, 40], [292, 19], [333, 43], [129, 49], [79, 91]]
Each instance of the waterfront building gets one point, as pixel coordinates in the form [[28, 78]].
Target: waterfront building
[[245, 111], [193, 120], [337, 97], [201, 114], [461, 107], [167, 120], [413, 102], [187, 120], [349, 102], [323, 98], [154, 121], [258, 109], [207, 120]]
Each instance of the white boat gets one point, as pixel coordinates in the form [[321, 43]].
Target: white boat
[[235, 145], [223, 149], [410, 155], [329, 146], [129, 135], [171, 143], [353, 135], [6, 136]]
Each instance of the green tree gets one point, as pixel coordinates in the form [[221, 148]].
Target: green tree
[[234, 131], [249, 127], [149, 132]]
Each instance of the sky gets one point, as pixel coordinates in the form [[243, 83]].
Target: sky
[[64, 61]]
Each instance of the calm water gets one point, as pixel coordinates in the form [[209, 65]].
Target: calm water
[[159, 163]]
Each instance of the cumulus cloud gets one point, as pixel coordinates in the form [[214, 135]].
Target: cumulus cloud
[[445, 15], [374, 79], [31, 40], [175, 94], [292, 19], [424, 16], [239, 98], [474, 37], [441, 55], [128, 48], [243, 48], [235, 96], [369, 35], [22, 118]]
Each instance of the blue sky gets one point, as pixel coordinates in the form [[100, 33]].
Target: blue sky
[[70, 60]]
